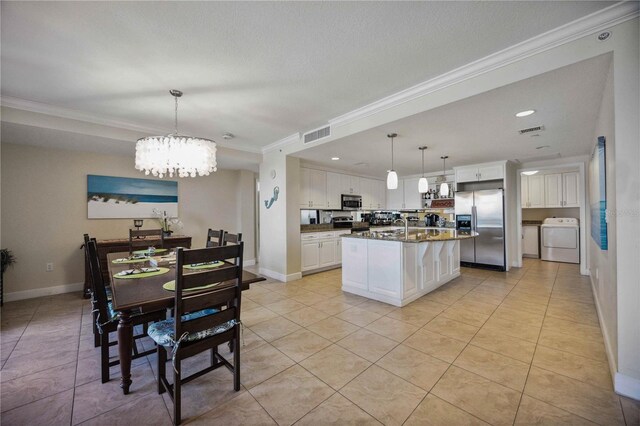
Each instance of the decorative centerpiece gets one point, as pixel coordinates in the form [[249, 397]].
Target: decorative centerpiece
[[166, 222]]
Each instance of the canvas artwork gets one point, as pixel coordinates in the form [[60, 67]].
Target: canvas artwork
[[598, 194], [110, 197]]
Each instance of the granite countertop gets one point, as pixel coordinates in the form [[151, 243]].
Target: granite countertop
[[416, 235], [328, 227], [532, 222]]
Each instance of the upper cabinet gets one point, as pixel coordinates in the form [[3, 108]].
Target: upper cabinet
[[313, 188], [479, 172], [533, 191], [551, 190], [323, 190], [412, 198], [562, 189], [334, 194], [395, 197]]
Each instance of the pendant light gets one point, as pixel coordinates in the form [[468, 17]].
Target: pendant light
[[423, 185], [444, 186], [175, 153], [392, 176]]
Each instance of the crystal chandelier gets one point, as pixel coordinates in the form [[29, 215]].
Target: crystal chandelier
[[175, 153]]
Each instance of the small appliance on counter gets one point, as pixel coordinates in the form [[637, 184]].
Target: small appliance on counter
[[343, 222], [383, 218], [431, 219]]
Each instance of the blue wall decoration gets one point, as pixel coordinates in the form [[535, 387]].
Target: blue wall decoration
[[598, 194], [269, 203], [110, 197]]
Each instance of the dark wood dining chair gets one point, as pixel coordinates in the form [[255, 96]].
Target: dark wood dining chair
[[214, 237], [106, 319], [231, 238], [143, 238], [94, 311], [199, 325]]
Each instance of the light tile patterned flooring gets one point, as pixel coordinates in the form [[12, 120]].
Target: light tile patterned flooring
[[522, 347]]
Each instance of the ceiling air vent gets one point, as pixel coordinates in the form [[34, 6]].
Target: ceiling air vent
[[531, 130], [314, 135]]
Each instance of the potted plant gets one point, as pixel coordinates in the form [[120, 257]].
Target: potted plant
[[8, 259]]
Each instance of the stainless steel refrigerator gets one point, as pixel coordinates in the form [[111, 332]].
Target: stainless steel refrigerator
[[486, 208]]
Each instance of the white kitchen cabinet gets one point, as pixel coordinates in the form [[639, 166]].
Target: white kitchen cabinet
[[571, 189], [327, 252], [395, 197], [479, 172], [313, 188], [321, 249], [349, 184], [367, 191], [412, 198], [532, 191], [334, 194], [381, 190], [310, 258], [530, 241], [562, 189]]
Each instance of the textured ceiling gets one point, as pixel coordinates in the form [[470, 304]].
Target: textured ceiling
[[483, 128], [260, 70]]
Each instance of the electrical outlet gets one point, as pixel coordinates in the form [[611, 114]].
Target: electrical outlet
[[50, 267]]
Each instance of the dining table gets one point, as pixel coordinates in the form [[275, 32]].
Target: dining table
[[143, 294]]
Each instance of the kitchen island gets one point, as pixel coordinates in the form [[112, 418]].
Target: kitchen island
[[398, 267]]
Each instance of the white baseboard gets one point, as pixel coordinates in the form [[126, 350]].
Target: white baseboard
[[249, 262], [45, 291], [627, 386], [613, 362], [278, 276]]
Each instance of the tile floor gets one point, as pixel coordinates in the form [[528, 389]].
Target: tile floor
[[522, 347]]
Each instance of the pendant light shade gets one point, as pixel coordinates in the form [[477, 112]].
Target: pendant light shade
[[392, 180], [392, 176], [423, 185], [444, 186]]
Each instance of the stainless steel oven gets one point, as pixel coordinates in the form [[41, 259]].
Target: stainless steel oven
[[351, 202]]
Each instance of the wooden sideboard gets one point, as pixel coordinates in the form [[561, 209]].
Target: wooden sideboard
[[121, 245]]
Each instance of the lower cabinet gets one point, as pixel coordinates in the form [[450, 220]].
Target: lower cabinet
[[321, 249]]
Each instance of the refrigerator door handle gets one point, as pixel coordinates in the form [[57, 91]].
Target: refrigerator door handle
[[474, 218]]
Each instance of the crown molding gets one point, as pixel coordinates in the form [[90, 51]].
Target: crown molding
[[71, 114], [597, 21], [282, 142]]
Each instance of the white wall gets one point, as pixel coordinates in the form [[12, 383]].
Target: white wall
[[44, 212], [602, 263]]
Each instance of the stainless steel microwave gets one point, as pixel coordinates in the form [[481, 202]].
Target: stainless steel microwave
[[351, 202]]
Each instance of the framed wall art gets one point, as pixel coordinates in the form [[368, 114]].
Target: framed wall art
[[110, 197]]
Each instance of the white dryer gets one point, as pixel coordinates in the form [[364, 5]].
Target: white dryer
[[560, 240]]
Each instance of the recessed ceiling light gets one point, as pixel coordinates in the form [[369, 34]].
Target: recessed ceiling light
[[335, 158], [543, 147], [530, 173], [525, 113]]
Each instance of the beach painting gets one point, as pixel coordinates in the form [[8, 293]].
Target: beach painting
[[598, 208], [110, 197]]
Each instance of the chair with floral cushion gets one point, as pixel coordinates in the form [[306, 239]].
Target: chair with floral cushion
[[198, 324], [214, 237], [106, 319], [145, 238]]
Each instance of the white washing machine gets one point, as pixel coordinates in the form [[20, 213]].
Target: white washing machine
[[560, 240]]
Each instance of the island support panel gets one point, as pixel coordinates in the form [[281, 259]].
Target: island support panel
[[397, 272]]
